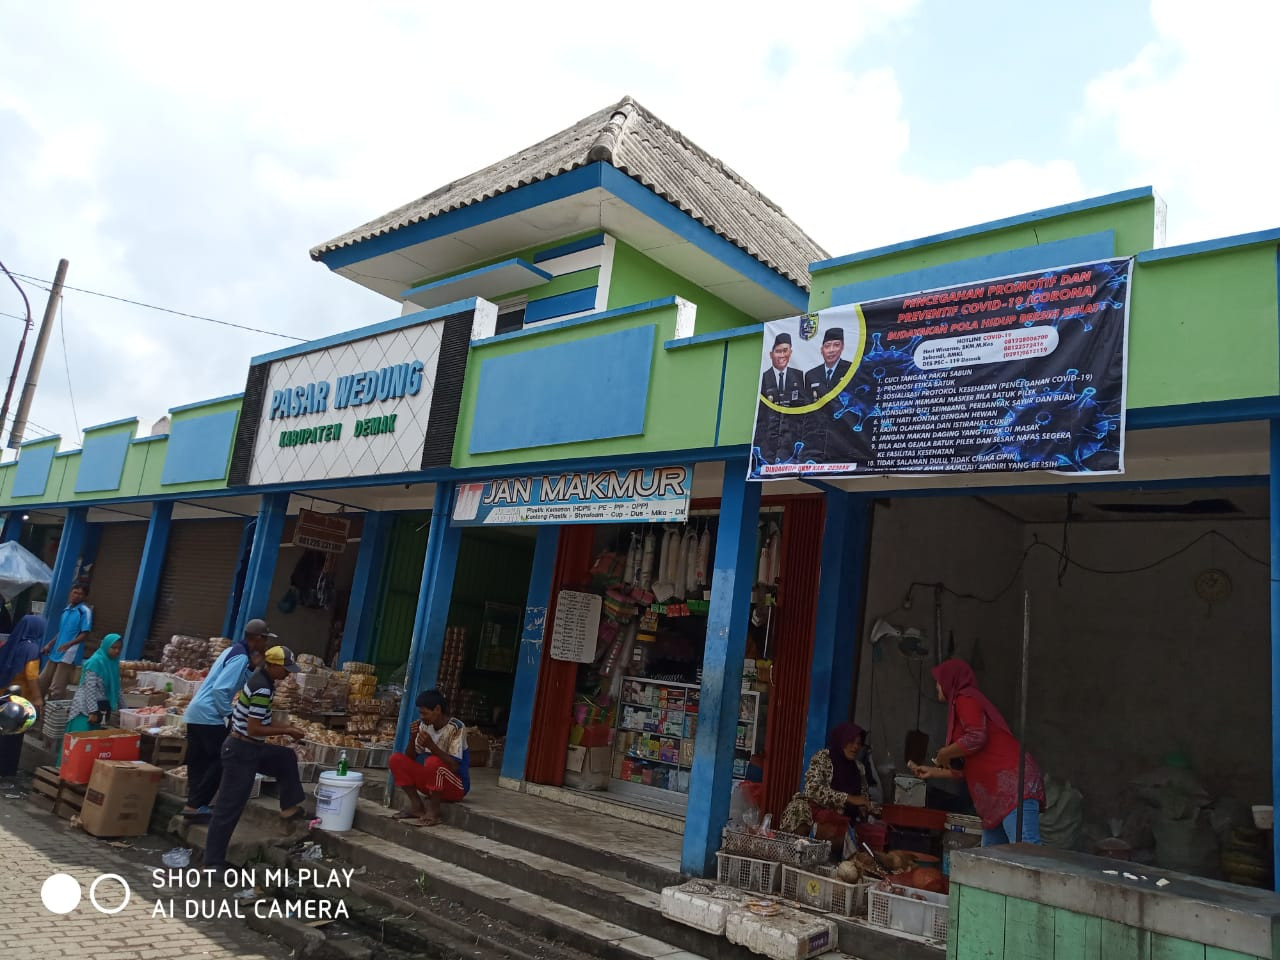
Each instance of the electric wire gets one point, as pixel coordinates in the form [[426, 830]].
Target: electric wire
[[1066, 558], [66, 362], [36, 281]]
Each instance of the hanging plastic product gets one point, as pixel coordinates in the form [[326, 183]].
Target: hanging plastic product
[[690, 563], [704, 558], [679, 548], [664, 556], [633, 561], [775, 554], [669, 571], [646, 562]]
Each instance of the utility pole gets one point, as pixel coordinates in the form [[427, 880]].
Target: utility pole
[[37, 358]]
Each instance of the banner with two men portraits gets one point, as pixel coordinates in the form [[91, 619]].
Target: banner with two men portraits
[[1010, 374]]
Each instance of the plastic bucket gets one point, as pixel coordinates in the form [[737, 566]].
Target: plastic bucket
[[336, 799]]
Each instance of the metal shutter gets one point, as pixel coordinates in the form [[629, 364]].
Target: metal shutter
[[196, 581], [115, 571]]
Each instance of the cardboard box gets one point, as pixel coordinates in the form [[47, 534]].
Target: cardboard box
[[587, 768], [81, 749], [131, 701], [120, 797]]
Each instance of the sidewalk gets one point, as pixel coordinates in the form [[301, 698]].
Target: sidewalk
[[35, 845]]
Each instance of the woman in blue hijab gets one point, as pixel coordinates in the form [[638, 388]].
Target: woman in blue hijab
[[99, 691], [20, 665]]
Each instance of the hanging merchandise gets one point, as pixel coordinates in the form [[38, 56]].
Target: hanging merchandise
[[704, 558], [681, 550], [633, 561], [690, 563], [646, 562], [669, 574], [775, 554], [762, 568], [664, 557]]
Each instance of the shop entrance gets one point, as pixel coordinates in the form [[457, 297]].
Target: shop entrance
[[623, 725], [1148, 667]]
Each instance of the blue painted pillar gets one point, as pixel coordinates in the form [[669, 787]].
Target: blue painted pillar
[[65, 566], [357, 633], [731, 581], [529, 657], [841, 598], [262, 559], [237, 581], [148, 583], [434, 597], [1275, 641], [12, 526]]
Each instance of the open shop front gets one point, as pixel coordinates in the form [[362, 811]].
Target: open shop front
[[1147, 661], [619, 682]]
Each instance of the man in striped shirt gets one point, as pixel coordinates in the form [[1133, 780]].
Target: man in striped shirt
[[245, 753]]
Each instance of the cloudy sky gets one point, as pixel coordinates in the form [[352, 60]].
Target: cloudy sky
[[189, 157]]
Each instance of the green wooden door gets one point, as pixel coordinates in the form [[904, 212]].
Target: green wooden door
[[398, 595]]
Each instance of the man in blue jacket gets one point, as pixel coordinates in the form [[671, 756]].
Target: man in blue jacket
[[208, 711]]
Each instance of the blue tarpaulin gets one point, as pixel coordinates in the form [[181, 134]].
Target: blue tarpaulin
[[20, 568]]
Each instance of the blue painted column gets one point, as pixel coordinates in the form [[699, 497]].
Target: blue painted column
[[434, 597], [529, 657], [148, 583], [237, 581], [12, 526], [357, 633], [1275, 641], [65, 566], [262, 559], [841, 598], [731, 581]]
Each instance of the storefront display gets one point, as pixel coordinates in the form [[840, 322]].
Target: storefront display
[[639, 683]]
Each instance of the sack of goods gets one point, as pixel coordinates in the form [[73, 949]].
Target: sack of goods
[[182, 651]]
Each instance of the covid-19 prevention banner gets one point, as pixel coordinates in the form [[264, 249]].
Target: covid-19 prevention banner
[[1009, 374]]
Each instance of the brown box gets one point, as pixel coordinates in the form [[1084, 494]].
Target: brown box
[[132, 701], [119, 799]]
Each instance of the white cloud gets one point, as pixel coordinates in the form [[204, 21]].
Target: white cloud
[[1195, 113], [189, 156]]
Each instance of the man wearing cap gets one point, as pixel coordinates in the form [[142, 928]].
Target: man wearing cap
[[208, 711], [246, 753], [826, 376]]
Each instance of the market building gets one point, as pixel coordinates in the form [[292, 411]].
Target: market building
[[558, 430]]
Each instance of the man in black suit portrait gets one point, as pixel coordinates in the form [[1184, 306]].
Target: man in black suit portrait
[[826, 376], [781, 384]]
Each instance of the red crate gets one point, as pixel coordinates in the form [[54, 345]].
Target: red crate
[[873, 835], [918, 818]]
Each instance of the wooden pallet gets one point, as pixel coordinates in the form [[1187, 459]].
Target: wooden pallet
[[162, 752], [70, 800], [47, 783]]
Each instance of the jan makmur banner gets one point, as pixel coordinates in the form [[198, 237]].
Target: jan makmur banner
[[1009, 374]]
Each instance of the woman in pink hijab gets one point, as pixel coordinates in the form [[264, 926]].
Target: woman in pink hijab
[[978, 734]]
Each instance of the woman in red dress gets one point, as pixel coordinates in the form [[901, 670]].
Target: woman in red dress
[[978, 734]]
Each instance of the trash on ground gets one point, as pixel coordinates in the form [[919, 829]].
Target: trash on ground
[[177, 857]]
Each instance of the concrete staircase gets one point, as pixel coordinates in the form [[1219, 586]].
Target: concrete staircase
[[570, 878]]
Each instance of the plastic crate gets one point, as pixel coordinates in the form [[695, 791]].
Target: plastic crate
[[920, 913], [916, 818], [819, 889], [783, 848], [759, 876], [154, 679], [133, 720], [378, 757], [185, 688]]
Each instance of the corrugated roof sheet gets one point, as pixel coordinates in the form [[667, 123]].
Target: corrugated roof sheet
[[633, 140]]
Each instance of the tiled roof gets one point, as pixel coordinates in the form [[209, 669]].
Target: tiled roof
[[633, 140]]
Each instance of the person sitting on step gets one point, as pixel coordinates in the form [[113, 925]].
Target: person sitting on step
[[436, 766]]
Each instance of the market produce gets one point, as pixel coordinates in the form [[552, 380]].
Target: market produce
[[182, 651]]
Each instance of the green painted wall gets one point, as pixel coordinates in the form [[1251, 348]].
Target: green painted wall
[[1202, 328], [990, 926], [1133, 223], [684, 394], [637, 279], [143, 467]]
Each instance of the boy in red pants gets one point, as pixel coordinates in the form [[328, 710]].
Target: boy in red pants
[[435, 766]]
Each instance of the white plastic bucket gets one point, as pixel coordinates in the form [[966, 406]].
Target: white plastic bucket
[[336, 800]]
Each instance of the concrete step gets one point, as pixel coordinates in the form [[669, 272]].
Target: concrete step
[[529, 911], [552, 831], [591, 892]]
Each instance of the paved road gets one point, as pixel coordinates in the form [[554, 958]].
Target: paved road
[[35, 845]]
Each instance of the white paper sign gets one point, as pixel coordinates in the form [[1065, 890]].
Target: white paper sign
[[577, 625]]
